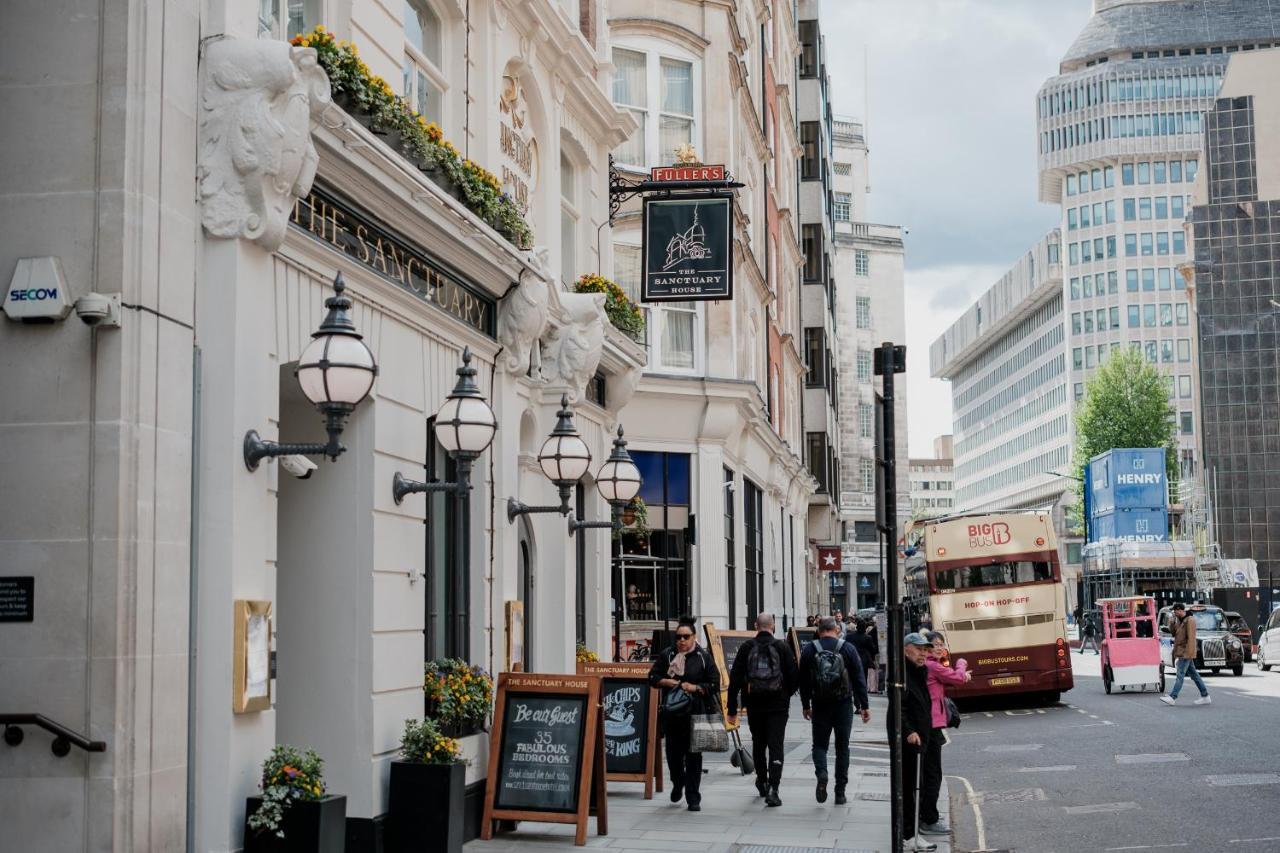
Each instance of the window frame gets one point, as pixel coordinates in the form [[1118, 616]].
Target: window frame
[[655, 50], [655, 316], [421, 62]]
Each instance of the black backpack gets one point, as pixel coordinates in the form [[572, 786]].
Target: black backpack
[[764, 669], [830, 676]]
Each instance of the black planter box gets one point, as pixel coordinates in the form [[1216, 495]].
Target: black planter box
[[309, 827], [426, 807]]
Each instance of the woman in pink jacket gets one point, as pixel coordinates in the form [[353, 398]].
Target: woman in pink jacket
[[940, 675]]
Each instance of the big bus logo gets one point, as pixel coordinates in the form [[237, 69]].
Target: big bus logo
[[989, 535]]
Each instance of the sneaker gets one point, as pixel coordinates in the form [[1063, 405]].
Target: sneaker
[[772, 799], [762, 785], [821, 793], [1203, 700], [677, 791], [938, 827], [915, 845], [841, 800], [694, 807], [1168, 700]]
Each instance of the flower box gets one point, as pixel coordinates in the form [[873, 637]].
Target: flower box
[[426, 807], [316, 826]]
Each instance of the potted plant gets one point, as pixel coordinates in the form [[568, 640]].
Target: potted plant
[[622, 312], [458, 696], [635, 517], [585, 655], [427, 786], [294, 814]]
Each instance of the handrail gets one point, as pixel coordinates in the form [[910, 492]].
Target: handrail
[[63, 736]]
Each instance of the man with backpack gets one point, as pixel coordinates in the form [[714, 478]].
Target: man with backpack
[[832, 687], [765, 674]]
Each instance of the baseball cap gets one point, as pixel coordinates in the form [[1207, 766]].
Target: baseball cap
[[915, 638]]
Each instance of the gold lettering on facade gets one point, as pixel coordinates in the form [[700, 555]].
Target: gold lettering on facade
[[334, 228], [517, 143], [361, 232], [381, 256]]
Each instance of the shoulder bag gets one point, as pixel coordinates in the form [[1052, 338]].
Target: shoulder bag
[[707, 732]]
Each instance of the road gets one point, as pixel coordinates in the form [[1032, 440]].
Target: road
[[1122, 772]]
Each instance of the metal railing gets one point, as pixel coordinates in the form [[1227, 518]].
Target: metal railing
[[64, 738]]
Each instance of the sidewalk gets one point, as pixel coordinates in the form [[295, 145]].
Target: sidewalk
[[734, 819]]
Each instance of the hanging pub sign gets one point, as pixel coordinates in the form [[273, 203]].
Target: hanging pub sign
[[629, 716], [546, 753], [686, 173], [688, 248]]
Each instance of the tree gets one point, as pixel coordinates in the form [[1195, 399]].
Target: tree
[[1126, 404]]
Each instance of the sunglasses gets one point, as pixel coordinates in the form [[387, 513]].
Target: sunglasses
[[684, 636]]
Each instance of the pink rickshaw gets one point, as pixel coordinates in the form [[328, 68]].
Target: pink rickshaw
[[1130, 644]]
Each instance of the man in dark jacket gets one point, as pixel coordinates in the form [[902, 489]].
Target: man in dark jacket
[[917, 727], [765, 674], [832, 686]]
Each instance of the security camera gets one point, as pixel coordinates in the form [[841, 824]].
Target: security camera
[[297, 465], [98, 309]]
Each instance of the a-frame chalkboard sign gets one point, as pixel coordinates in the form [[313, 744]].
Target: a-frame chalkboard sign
[[546, 753], [629, 718]]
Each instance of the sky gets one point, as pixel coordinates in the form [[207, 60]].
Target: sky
[[947, 89]]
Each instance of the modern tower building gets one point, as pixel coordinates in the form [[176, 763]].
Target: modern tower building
[[1119, 147], [870, 309], [1236, 222]]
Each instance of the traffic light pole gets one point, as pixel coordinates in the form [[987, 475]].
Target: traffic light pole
[[889, 361]]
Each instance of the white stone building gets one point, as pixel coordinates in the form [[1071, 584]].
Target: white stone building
[[932, 481], [870, 309]]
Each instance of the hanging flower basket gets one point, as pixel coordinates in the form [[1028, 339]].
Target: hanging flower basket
[[622, 312]]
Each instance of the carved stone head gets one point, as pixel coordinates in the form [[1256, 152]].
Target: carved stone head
[[259, 101]]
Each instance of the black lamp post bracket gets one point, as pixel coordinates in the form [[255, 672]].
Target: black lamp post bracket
[[402, 486], [257, 448]]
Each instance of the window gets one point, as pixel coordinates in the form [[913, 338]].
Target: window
[[1130, 209], [1097, 179], [1144, 173], [1113, 277], [1114, 317], [1149, 315], [424, 82], [843, 169], [1184, 349], [808, 49], [1148, 245], [568, 222], [1175, 207], [865, 429], [843, 211], [1148, 280], [816, 451], [862, 262], [1144, 208], [753, 528], [1187, 423], [1182, 312], [810, 165], [864, 366], [815, 349], [1150, 347], [448, 583], [1158, 171], [1193, 167], [1131, 245], [1131, 281], [867, 472], [1077, 358], [1073, 253], [1179, 243], [1162, 242], [1075, 288], [1126, 174], [1175, 171], [1075, 323], [1184, 386], [284, 19], [730, 547], [1135, 316], [1088, 321], [1078, 390], [811, 245], [1166, 351], [1071, 185], [864, 312], [993, 574], [1165, 278], [647, 84], [1073, 220], [1162, 207], [1084, 216], [1110, 208]]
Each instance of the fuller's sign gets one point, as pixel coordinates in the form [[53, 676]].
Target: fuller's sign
[[688, 248], [686, 174], [327, 217]]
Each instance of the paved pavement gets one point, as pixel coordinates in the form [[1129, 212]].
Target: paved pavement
[[734, 819], [1097, 773]]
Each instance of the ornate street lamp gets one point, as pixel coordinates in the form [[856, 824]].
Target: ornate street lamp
[[564, 458], [465, 427], [336, 373], [618, 482]]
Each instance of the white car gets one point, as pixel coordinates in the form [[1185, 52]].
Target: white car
[[1269, 642]]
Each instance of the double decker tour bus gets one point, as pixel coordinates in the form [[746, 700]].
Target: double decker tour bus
[[992, 584]]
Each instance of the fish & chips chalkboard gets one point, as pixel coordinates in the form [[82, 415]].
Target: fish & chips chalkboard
[[724, 646], [629, 716], [546, 753]]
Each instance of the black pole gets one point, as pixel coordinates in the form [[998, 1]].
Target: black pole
[[889, 360]]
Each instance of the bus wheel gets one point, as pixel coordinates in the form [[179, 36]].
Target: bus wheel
[[1106, 679]]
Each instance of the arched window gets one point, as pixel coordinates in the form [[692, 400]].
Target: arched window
[[659, 89], [424, 81]]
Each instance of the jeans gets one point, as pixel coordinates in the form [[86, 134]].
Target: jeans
[[768, 731], [931, 778], [828, 717], [1186, 668], [684, 766]]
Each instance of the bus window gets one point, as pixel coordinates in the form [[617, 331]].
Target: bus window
[[993, 574]]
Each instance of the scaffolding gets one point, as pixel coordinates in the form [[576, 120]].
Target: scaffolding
[[1113, 568]]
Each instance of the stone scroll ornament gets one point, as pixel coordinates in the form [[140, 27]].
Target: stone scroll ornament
[[259, 100], [571, 350]]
